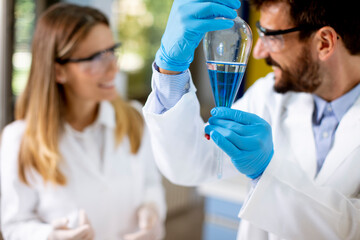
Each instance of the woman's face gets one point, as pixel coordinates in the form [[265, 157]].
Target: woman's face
[[94, 79]]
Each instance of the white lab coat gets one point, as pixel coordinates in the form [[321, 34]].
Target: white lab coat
[[290, 201], [110, 189]]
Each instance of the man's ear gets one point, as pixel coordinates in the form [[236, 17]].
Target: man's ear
[[60, 75], [326, 41]]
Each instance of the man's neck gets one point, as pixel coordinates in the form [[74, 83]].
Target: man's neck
[[339, 77]]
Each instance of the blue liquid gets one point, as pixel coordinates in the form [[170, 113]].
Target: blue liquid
[[225, 79]]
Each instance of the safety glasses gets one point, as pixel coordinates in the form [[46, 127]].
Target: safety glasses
[[98, 62], [273, 39]]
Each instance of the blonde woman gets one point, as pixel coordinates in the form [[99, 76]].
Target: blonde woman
[[77, 162]]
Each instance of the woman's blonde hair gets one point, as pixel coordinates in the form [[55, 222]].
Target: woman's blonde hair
[[42, 104]]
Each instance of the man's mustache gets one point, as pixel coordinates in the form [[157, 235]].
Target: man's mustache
[[269, 61]]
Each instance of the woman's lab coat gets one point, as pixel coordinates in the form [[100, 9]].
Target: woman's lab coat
[[110, 190], [290, 201]]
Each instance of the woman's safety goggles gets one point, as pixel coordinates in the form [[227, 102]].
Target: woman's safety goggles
[[98, 62], [273, 39]]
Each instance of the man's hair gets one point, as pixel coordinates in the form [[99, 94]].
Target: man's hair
[[342, 16]]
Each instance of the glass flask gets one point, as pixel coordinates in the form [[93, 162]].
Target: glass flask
[[227, 53]]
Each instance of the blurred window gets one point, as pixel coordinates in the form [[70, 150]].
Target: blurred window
[[139, 25], [24, 28]]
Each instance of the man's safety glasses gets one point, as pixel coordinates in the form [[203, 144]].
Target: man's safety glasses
[[273, 39], [98, 62]]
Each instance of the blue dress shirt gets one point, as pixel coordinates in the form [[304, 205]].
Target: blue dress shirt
[[326, 118]]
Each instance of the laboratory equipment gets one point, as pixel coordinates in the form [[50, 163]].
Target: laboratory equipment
[[227, 52]]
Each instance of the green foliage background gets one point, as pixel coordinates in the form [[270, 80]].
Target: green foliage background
[[139, 37]]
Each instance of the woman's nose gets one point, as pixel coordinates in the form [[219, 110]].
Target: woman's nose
[[112, 68], [260, 50]]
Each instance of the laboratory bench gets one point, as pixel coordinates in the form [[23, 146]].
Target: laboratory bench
[[222, 202]]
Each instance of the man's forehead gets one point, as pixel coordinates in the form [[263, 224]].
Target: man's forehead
[[275, 15]]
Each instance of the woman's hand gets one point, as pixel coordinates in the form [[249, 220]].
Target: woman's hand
[[150, 225], [61, 230]]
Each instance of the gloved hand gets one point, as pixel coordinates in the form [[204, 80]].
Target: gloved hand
[[245, 137], [150, 225], [188, 22], [62, 232]]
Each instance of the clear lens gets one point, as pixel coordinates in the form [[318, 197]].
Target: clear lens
[[100, 63], [273, 42]]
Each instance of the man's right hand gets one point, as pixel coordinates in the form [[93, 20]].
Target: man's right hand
[[188, 22]]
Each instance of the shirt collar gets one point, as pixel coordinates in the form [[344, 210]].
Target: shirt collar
[[339, 106], [106, 115]]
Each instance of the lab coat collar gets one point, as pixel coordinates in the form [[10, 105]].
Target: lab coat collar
[[297, 126], [347, 139]]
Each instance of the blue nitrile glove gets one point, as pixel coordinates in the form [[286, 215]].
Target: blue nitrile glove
[[188, 22], [245, 137]]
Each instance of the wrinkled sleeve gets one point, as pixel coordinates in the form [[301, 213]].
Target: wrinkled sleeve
[[167, 90]]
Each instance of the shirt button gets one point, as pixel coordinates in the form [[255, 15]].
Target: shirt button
[[187, 86], [329, 109], [325, 134]]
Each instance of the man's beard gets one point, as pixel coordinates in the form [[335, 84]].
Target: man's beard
[[303, 78]]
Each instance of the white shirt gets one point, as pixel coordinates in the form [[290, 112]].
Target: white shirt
[[105, 180]]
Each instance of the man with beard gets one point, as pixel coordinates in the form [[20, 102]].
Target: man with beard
[[295, 133]]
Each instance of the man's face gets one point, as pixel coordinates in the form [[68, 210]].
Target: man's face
[[293, 65]]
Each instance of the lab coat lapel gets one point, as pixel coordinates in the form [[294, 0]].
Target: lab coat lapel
[[108, 151], [107, 119], [296, 125], [347, 138]]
